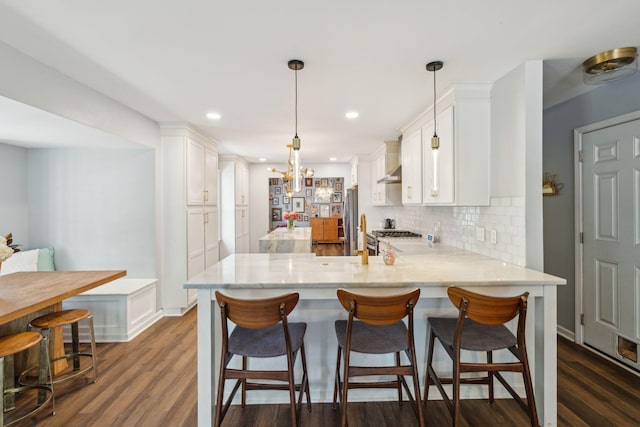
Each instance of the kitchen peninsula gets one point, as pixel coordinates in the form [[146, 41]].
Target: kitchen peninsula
[[282, 240], [318, 278]]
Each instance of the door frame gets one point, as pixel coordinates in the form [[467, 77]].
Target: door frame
[[578, 214]]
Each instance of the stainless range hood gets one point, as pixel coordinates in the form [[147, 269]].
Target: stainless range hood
[[393, 168], [393, 177]]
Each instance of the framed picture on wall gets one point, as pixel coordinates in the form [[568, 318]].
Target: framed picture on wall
[[324, 210], [316, 183], [273, 181], [309, 191], [277, 190], [336, 210], [324, 182], [305, 218], [336, 197], [276, 201], [308, 182], [285, 200], [338, 186], [298, 204], [276, 214], [313, 210]]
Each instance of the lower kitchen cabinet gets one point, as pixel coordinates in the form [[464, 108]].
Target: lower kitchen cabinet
[[324, 230]]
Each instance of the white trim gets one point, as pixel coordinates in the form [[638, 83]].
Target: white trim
[[579, 256], [566, 333]]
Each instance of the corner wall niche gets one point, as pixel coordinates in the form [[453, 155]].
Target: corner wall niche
[[310, 202]]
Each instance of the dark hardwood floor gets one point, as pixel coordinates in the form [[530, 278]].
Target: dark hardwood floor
[[328, 249], [151, 381]]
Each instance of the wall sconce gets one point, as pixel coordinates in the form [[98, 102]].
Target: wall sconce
[[550, 185]]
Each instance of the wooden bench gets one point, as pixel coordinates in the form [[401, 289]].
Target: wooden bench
[[121, 309]]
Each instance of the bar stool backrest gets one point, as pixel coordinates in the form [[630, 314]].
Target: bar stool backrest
[[379, 310], [487, 309], [257, 313]]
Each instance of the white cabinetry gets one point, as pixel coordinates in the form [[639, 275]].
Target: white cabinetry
[[460, 174], [242, 184], [354, 171], [234, 205], [385, 160], [412, 168], [189, 187]]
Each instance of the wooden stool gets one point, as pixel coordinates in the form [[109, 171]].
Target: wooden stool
[[69, 317], [11, 345], [262, 330], [378, 330], [480, 327]]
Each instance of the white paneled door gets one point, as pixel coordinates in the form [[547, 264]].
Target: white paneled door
[[611, 225]]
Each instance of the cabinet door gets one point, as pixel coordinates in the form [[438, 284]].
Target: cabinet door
[[242, 184], [211, 239], [330, 229], [210, 177], [317, 229], [195, 242], [195, 173], [412, 169], [438, 167]]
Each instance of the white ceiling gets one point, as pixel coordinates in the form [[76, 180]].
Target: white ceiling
[[176, 61]]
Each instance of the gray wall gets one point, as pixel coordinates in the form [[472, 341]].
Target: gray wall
[[607, 101], [95, 207], [13, 194]]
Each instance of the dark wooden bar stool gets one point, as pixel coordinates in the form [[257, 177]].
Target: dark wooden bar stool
[[64, 318], [11, 345], [379, 329], [480, 327], [262, 330]]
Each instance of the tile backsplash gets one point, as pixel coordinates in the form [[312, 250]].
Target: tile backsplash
[[458, 226]]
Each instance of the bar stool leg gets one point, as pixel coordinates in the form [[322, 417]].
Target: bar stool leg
[[9, 400], [93, 349]]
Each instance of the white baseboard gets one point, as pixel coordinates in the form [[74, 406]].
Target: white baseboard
[[566, 333]]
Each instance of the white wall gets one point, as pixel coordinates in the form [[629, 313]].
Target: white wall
[[13, 194], [26, 80], [259, 212], [516, 149], [95, 207]]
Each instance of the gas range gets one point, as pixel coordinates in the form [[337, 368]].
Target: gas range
[[374, 236]]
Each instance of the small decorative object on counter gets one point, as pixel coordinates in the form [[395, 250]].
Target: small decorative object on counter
[[290, 217], [389, 256]]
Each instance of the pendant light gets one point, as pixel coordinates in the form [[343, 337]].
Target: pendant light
[[296, 65], [435, 140]]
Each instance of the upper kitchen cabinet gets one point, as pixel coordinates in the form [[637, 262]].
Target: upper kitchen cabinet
[[189, 187], [202, 174], [354, 171], [242, 184], [384, 176], [458, 173], [412, 168], [234, 205]]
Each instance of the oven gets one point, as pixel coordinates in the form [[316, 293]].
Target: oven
[[373, 238]]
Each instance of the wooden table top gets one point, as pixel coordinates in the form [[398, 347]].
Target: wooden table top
[[25, 292]]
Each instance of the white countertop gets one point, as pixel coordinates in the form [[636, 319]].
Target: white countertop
[[281, 233], [440, 266]]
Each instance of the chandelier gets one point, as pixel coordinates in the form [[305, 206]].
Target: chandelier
[[292, 177]]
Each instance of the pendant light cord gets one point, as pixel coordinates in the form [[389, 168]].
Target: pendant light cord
[[296, 104]]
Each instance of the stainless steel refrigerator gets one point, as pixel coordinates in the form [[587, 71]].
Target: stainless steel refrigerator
[[350, 221]]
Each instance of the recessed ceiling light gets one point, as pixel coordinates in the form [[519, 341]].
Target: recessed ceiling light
[[262, 159], [352, 115], [213, 116], [333, 159]]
